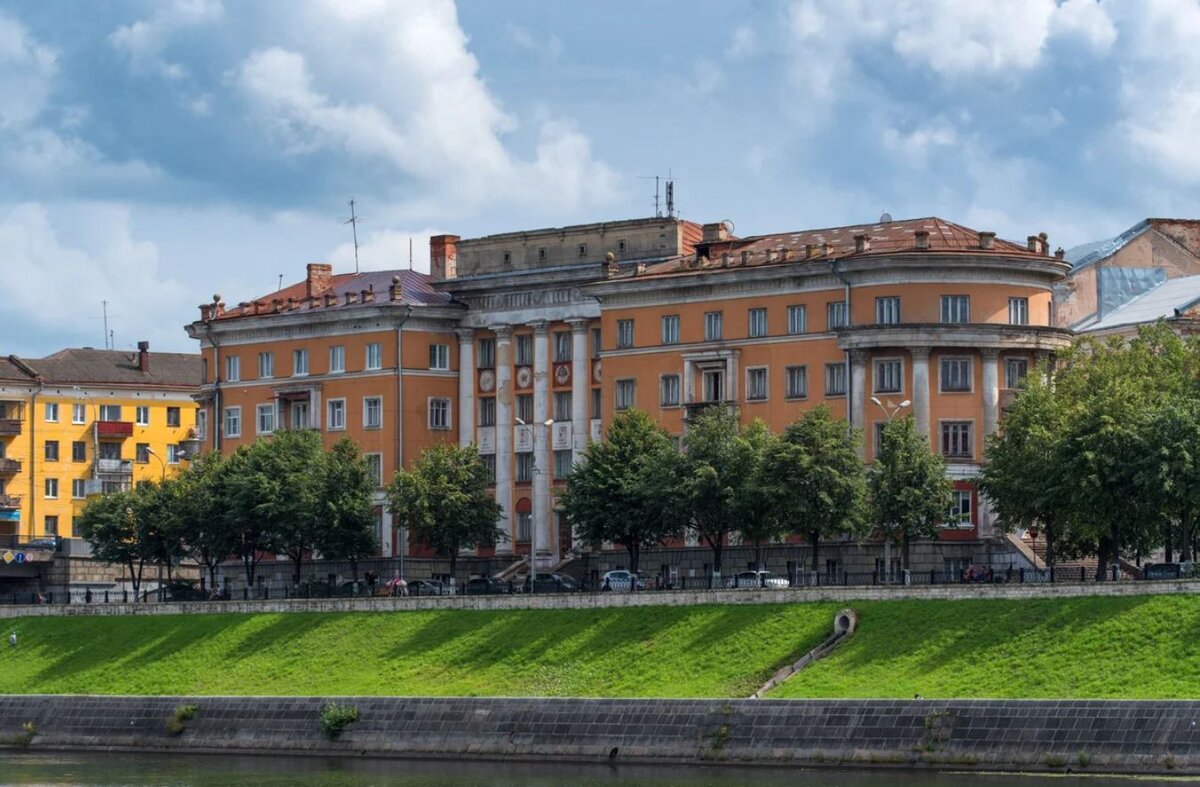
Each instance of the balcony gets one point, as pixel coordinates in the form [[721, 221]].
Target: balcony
[[114, 430], [114, 466], [10, 503], [695, 409], [10, 427], [10, 466]]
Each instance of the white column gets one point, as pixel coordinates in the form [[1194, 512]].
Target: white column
[[541, 444], [920, 397], [991, 392], [689, 381], [504, 431], [857, 409], [466, 386], [581, 388]]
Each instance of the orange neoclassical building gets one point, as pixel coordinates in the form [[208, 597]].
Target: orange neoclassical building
[[526, 343]]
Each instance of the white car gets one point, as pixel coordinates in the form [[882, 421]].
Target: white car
[[756, 579], [621, 580]]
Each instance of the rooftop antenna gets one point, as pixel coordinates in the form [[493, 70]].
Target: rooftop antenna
[[670, 193], [280, 287], [657, 178], [410, 252], [112, 342], [104, 305], [353, 222]]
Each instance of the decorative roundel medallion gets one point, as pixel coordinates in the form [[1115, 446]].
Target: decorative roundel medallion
[[487, 381], [562, 374], [524, 377], [595, 371]]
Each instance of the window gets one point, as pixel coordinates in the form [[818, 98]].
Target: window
[[174, 454], [835, 315], [756, 383], [78, 413], [78, 488], [337, 359], [487, 412], [713, 326], [758, 323], [797, 382], [562, 406], [110, 450], [299, 415], [173, 416], [507, 257], [889, 375], [879, 427], [582, 250], [621, 246], [487, 354], [375, 468], [626, 394], [670, 329], [110, 412], [887, 311], [265, 418], [524, 351], [51, 488], [835, 379], [541, 252], [336, 417], [233, 368], [524, 525], [201, 423], [562, 346], [51, 450], [51, 528], [372, 412], [439, 356], [52, 412], [956, 438], [624, 334], [1015, 370], [956, 308], [596, 343], [439, 413], [266, 365], [713, 381], [562, 465], [79, 451], [797, 320], [489, 466], [1018, 311], [299, 363], [142, 415], [525, 407], [668, 390], [142, 453], [596, 397], [524, 466], [960, 509], [375, 355], [956, 374]]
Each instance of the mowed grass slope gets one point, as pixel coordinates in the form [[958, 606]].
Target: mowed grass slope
[[699, 651]]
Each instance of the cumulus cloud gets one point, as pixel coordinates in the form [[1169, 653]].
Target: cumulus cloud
[[144, 41], [385, 250], [27, 70]]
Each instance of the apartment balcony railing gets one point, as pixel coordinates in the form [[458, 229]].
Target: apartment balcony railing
[[696, 409], [10, 427], [114, 466], [10, 466], [114, 430], [10, 502]]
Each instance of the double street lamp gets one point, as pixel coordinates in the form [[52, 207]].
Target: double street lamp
[[549, 422], [890, 411]]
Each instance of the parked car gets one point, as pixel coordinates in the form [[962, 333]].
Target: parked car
[[622, 580], [552, 583], [354, 588], [756, 579], [428, 587], [485, 586]]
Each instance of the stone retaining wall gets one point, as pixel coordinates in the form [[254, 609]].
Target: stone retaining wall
[[638, 599], [1142, 736]]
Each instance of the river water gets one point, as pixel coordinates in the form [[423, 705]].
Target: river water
[[144, 770]]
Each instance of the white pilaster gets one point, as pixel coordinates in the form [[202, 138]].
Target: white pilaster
[[504, 430], [689, 382], [920, 398], [466, 386], [581, 388], [543, 466], [858, 392], [991, 392]]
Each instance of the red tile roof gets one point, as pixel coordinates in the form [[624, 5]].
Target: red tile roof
[[416, 289]]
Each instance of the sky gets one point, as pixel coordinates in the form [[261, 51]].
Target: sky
[[155, 153]]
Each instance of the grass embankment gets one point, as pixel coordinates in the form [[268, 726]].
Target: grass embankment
[[1136, 647]]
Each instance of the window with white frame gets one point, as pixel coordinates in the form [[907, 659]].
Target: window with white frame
[[714, 328], [1015, 370], [626, 394], [174, 454], [757, 318], [562, 464], [265, 418], [835, 315], [878, 432], [266, 365], [670, 329], [596, 347], [562, 406], [956, 308], [797, 382], [201, 424], [374, 356], [562, 346], [524, 466], [233, 422], [668, 388], [960, 509], [524, 525], [142, 415], [141, 453], [624, 334], [78, 488], [299, 415], [79, 413], [956, 439], [439, 356], [372, 412], [439, 413], [887, 310], [51, 451], [956, 374], [173, 414], [835, 379], [797, 320], [889, 375], [52, 412], [525, 407], [51, 488], [756, 383], [110, 412], [299, 363], [487, 412], [489, 466], [487, 354], [233, 368], [524, 349], [712, 383], [335, 414], [374, 468], [337, 359], [1018, 311]]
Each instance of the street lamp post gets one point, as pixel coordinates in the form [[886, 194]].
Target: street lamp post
[[549, 422], [161, 463], [890, 411]]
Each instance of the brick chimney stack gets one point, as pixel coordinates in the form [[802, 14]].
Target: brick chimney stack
[[320, 278], [443, 257], [143, 356]]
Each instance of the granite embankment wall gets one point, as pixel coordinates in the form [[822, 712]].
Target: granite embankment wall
[[1135, 736], [637, 599]]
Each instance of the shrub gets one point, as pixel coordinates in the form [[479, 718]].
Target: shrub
[[175, 724], [334, 718]]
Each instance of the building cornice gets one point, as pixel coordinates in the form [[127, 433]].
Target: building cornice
[[941, 335], [315, 324]]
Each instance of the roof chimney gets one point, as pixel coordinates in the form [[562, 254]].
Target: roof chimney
[[143, 356], [713, 233], [862, 243], [922, 237], [443, 257], [985, 239], [1060, 253], [320, 278]]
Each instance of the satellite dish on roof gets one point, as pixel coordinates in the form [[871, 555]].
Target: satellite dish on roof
[[885, 218], [728, 226]]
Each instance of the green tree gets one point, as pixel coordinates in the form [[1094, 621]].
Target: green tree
[[817, 480], [910, 494], [156, 507], [759, 518], [109, 523], [349, 516], [444, 501], [203, 508], [1169, 469], [624, 488]]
